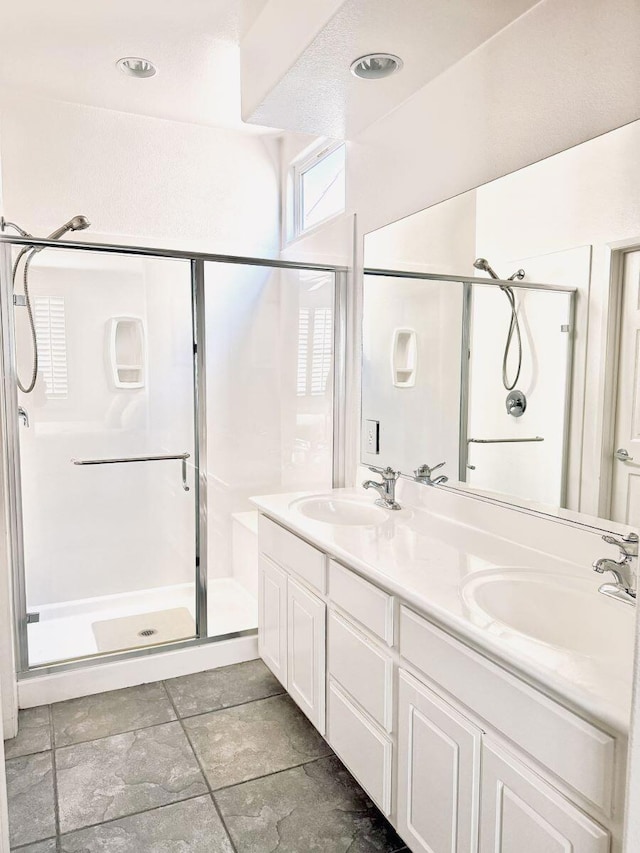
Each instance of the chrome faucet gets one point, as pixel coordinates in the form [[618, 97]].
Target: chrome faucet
[[623, 570], [424, 472], [386, 489], [23, 416]]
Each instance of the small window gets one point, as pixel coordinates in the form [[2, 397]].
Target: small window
[[319, 188], [51, 338]]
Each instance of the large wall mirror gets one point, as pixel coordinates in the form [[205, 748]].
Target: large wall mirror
[[501, 335]]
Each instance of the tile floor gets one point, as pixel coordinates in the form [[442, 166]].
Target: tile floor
[[218, 762]]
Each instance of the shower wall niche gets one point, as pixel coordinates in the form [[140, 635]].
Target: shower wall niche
[[126, 351]]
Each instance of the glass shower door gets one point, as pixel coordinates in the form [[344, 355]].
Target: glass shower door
[[107, 455]]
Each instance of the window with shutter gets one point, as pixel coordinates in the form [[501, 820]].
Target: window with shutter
[[51, 337]]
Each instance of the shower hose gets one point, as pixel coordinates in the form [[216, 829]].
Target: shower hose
[[514, 327], [28, 388]]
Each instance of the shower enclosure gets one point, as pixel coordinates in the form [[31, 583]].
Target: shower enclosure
[[171, 387]]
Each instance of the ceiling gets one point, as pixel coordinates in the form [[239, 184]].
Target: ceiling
[[67, 50], [318, 94]]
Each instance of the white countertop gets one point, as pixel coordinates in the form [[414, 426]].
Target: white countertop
[[577, 649]]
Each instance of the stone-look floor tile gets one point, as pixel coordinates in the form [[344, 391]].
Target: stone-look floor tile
[[221, 688], [117, 776], [317, 808], [190, 827], [34, 733], [30, 792], [48, 846], [91, 717], [247, 741]]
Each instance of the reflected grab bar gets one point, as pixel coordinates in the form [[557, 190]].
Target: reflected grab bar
[[117, 460], [502, 440]]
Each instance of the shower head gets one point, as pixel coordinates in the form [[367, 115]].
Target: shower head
[[78, 223], [484, 265]]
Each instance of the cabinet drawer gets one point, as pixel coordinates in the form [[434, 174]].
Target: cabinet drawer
[[575, 751], [362, 746], [364, 671], [369, 605], [292, 553]]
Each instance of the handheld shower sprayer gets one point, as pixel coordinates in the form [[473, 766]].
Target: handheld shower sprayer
[[77, 223], [514, 328], [484, 265]]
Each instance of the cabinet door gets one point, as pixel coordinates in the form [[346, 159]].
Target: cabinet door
[[438, 772], [272, 618], [521, 813], [306, 652]]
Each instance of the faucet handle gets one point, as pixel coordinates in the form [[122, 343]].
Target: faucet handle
[[628, 544], [427, 470], [386, 473]]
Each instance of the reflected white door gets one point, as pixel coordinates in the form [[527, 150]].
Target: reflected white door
[[625, 504]]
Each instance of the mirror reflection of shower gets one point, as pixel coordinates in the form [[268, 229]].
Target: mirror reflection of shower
[[77, 223], [516, 402]]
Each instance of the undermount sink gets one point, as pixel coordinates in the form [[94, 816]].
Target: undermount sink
[[563, 611], [341, 511]]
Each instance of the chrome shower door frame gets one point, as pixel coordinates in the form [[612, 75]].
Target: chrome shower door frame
[[11, 438], [12, 482]]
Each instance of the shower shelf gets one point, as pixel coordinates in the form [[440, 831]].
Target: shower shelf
[[404, 356], [126, 352]]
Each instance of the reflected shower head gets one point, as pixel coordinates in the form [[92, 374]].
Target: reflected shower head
[[78, 223], [484, 265]]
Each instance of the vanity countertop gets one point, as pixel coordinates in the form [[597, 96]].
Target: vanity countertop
[[539, 616]]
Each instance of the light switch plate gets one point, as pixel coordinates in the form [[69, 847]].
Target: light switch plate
[[372, 436]]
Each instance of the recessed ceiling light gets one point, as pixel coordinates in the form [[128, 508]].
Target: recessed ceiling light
[[135, 66], [375, 66]]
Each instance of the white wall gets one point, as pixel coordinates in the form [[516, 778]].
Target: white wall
[[439, 239], [139, 179]]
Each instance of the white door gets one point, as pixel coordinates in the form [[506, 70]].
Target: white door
[[272, 618], [625, 504], [438, 773], [306, 652], [523, 814]]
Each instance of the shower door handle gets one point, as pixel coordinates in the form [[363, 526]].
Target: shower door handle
[[122, 459]]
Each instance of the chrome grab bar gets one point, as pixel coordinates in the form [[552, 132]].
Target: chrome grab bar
[[502, 440], [117, 460]]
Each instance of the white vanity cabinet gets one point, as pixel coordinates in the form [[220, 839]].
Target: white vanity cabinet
[[292, 616], [461, 755]]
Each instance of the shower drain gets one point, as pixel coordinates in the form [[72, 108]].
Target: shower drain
[[147, 632]]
